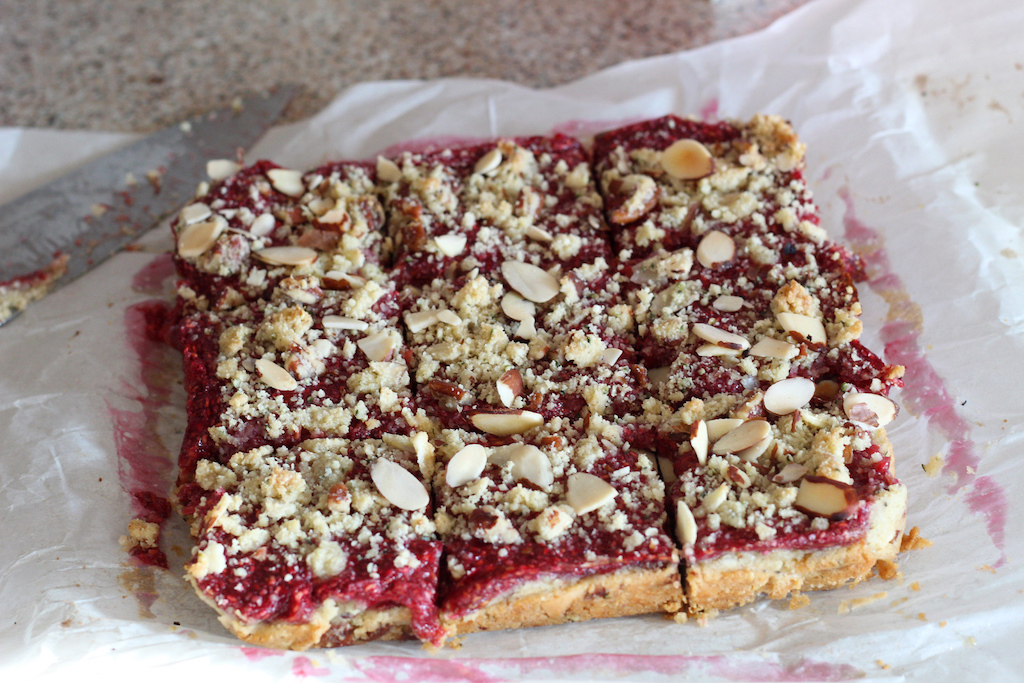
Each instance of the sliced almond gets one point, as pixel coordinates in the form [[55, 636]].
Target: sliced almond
[[516, 307], [715, 247], [611, 355], [339, 281], [826, 390], [714, 500], [769, 347], [687, 160], [193, 213], [263, 225], [728, 304], [668, 472], [870, 410], [720, 337], [398, 485], [533, 283], [804, 327], [451, 244], [526, 329], [738, 477], [388, 170], [721, 426], [198, 238], [338, 322], [377, 346], [790, 473], [539, 234], [785, 396], [287, 181], [510, 386], [586, 492], [488, 162], [287, 256], [303, 296], [274, 376], [530, 463], [686, 525], [466, 465], [746, 435], [699, 440], [448, 317], [420, 320], [824, 497], [222, 169], [752, 453], [709, 350], [506, 424]]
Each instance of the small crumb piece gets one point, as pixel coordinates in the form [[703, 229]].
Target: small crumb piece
[[987, 568], [912, 540], [942, 624], [888, 570], [679, 617], [850, 605], [921, 616], [934, 466], [141, 534], [799, 600], [915, 586], [882, 665]]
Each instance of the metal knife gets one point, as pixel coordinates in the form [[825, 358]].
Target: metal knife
[[52, 235]]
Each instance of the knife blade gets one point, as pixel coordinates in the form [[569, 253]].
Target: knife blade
[[54, 234]]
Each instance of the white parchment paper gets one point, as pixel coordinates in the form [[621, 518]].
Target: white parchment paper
[[912, 115]]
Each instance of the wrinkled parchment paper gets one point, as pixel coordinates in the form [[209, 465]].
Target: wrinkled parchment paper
[[912, 115]]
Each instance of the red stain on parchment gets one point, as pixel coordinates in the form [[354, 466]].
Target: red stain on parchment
[[925, 390]]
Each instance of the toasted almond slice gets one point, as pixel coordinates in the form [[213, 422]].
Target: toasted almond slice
[[451, 244], [337, 280], [658, 376], [728, 304], [539, 234], [448, 317], [586, 492], [686, 525], [611, 355], [790, 473], [466, 465], [274, 376], [530, 463], [510, 386], [746, 435], [287, 181], [804, 326], [263, 225], [303, 296], [533, 283], [870, 410], [388, 170], [420, 320], [526, 329], [193, 213], [506, 424], [699, 440], [826, 390], [714, 248], [377, 346], [754, 452], [516, 307], [720, 337], [687, 160], [708, 350], [287, 256], [824, 497], [721, 426], [198, 238], [787, 395], [398, 485], [338, 322], [769, 347], [738, 477], [221, 169], [488, 162], [713, 500]]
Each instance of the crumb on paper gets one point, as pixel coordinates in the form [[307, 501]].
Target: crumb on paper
[[679, 617], [237, 105], [942, 624], [99, 209], [856, 603], [130, 180], [934, 465], [141, 534], [888, 570], [882, 665], [922, 616], [185, 126], [971, 641], [987, 568], [799, 600], [912, 540], [915, 586]]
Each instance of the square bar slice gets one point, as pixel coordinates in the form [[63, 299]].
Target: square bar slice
[[304, 547]]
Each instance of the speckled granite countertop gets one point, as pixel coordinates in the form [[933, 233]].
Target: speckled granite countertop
[[137, 65]]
